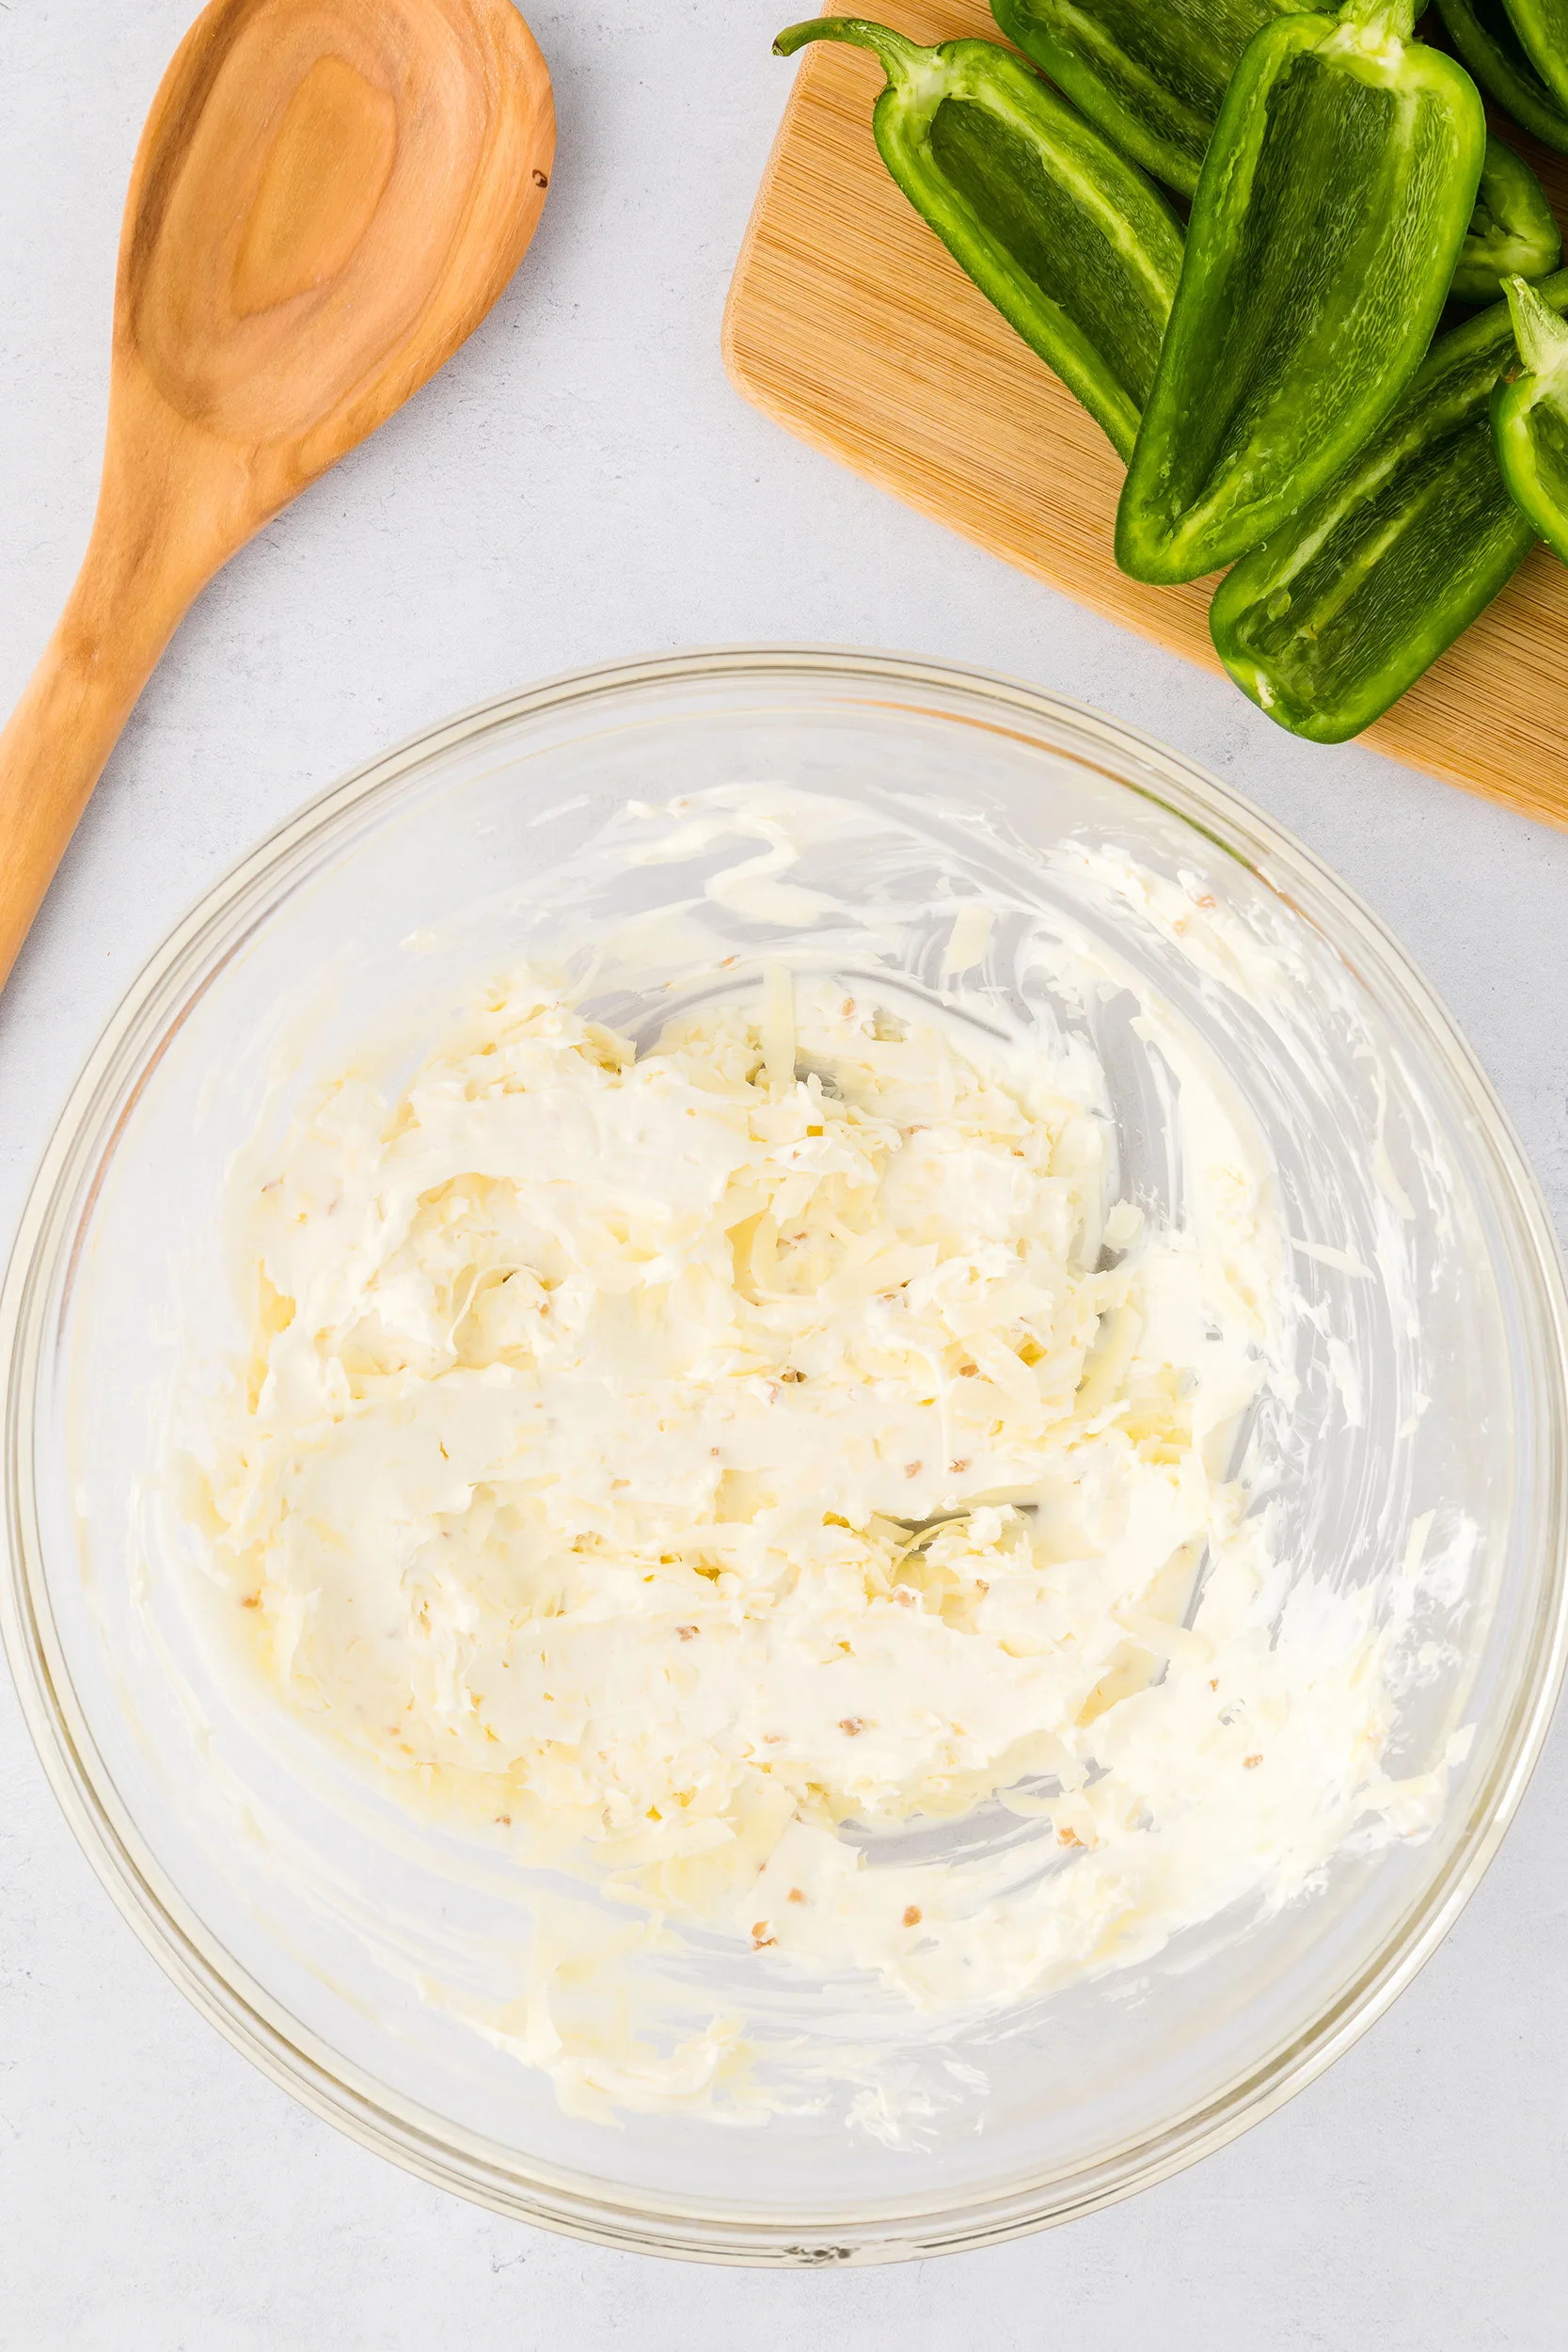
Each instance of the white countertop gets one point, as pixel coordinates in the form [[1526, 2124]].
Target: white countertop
[[581, 483]]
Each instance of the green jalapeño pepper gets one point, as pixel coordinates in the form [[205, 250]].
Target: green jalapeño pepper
[[1151, 74], [1511, 231], [1530, 417], [1339, 611], [1328, 220], [1070, 242], [1485, 37], [1542, 28]]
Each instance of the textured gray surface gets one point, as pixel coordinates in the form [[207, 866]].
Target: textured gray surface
[[582, 482]]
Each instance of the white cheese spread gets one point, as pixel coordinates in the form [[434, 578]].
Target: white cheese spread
[[708, 1462]]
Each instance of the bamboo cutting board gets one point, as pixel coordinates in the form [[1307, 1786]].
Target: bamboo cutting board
[[851, 325]]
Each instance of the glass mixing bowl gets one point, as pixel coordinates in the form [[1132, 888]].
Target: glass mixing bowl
[[310, 1918]]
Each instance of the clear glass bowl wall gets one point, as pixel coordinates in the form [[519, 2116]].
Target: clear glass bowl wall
[[251, 1863]]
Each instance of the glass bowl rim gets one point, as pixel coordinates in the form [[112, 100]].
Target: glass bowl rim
[[119, 1066]]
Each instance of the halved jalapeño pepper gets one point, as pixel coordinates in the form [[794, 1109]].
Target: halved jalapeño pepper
[[1339, 611], [1328, 220], [1069, 241], [1511, 231], [1529, 416], [1483, 33], [1542, 28], [1151, 74]]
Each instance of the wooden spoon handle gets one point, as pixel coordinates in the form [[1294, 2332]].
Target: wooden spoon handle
[[120, 614]]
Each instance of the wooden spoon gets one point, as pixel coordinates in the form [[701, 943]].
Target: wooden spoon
[[327, 198]]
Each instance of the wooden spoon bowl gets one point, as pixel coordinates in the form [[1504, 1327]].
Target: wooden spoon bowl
[[327, 198]]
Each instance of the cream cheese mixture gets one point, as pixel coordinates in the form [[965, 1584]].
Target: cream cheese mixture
[[786, 1474], [686, 1455]]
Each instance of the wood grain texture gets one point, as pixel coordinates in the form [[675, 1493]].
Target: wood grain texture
[[327, 198], [850, 323]]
